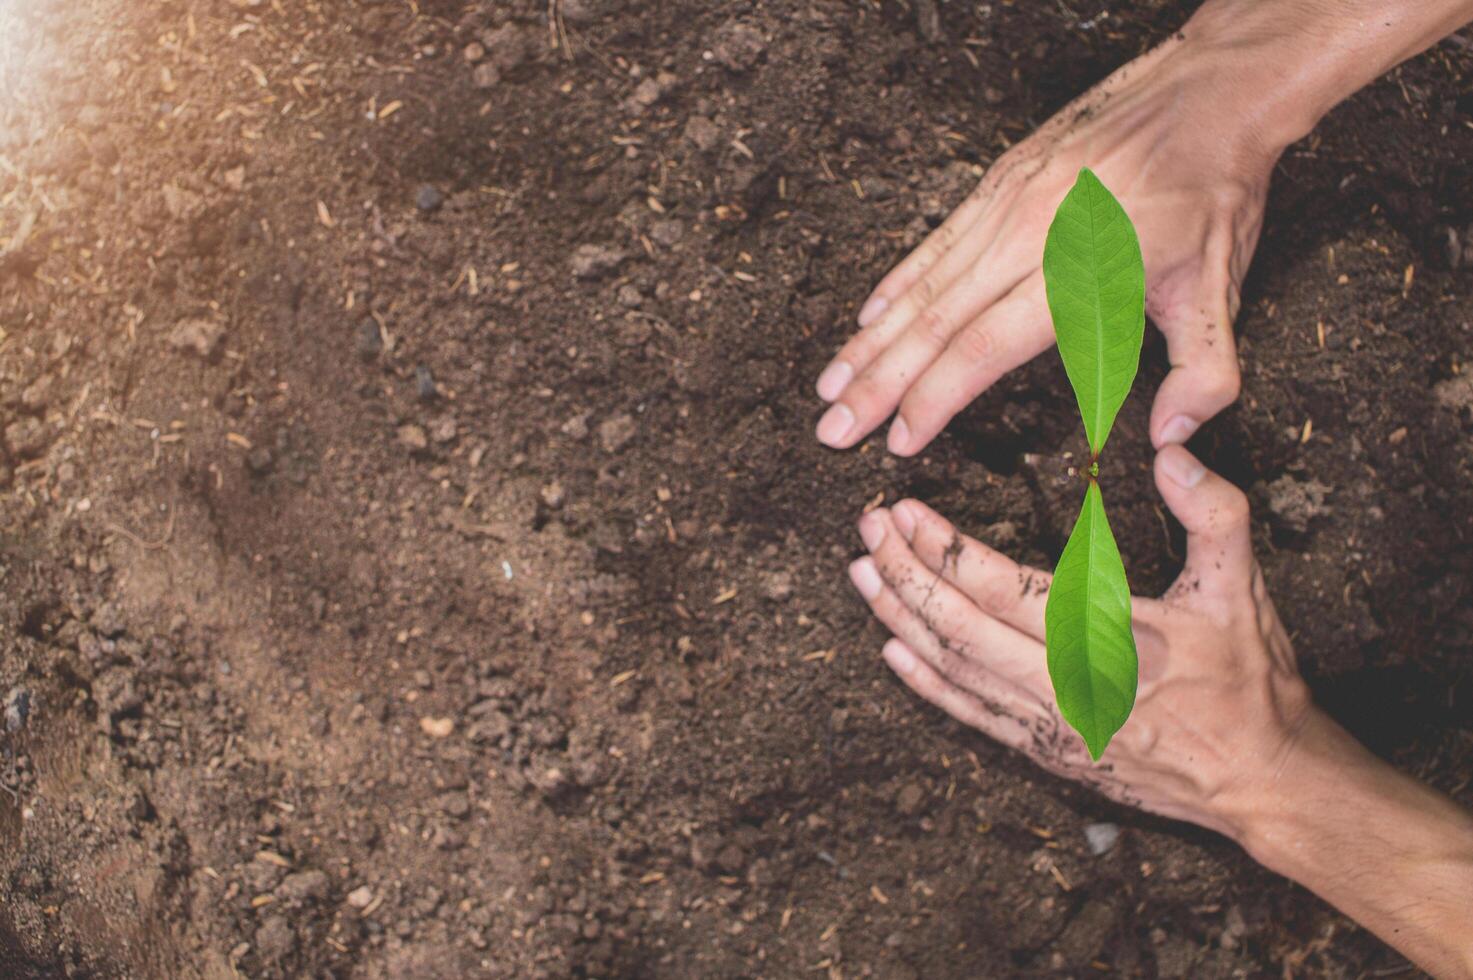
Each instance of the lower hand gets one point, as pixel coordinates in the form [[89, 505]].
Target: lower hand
[[1220, 704]]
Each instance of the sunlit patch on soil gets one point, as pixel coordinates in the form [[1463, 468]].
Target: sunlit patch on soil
[[17, 45]]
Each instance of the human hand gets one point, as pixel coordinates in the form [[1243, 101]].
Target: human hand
[[1220, 703], [1167, 134]]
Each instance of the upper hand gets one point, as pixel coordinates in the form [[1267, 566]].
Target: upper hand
[[968, 304]]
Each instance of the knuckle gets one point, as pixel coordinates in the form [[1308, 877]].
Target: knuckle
[[933, 327], [1234, 510], [922, 406], [943, 238], [893, 563], [869, 398], [998, 595], [1234, 384], [927, 254], [1223, 616], [855, 347], [925, 683], [1140, 737], [976, 343], [1259, 587], [1225, 384], [925, 288], [884, 604], [863, 348], [862, 401], [953, 665], [1234, 291], [930, 687]]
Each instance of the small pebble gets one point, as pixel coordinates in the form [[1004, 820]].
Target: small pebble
[[413, 437], [27, 438], [275, 940], [370, 339], [197, 336], [778, 586], [1296, 503], [738, 46], [260, 460], [910, 799], [576, 427], [668, 233], [591, 260], [615, 433], [424, 384], [1101, 837], [457, 805], [702, 132], [485, 76], [305, 887], [37, 394], [649, 92], [17, 709], [437, 727], [428, 198]]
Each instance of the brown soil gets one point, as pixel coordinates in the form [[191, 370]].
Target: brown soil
[[396, 586]]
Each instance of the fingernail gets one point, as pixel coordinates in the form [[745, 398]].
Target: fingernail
[[1183, 469], [835, 425], [866, 577], [899, 657], [904, 520], [872, 308], [898, 440], [1177, 430], [871, 530], [832, 382]]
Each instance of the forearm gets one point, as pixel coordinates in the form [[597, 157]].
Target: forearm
[[1386, 850], [1299, 58]]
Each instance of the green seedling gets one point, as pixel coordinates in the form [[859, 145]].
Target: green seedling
[[1096, 285]]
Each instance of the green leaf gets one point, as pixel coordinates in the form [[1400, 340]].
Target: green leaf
[[1091, 649], [1096, 284]]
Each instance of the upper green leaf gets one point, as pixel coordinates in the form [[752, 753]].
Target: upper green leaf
[[1096, 285], [1091, 649]]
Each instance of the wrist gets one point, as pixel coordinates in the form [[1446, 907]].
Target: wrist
[[1284, 64], [1388, 851], [1321, 767]]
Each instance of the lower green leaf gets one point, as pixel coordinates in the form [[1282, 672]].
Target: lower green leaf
[[1091, 649]]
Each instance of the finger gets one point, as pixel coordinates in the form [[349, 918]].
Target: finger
[[957, 622], [1008, 334], [1215, 515], [869, 399], [1015, 594], [937, 244], [872, 340], [943, 652], [1204, 377], [976, 218], [966, 707]]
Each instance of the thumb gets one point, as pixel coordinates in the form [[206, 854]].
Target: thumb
[[1215, 515], [1204, 377]]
